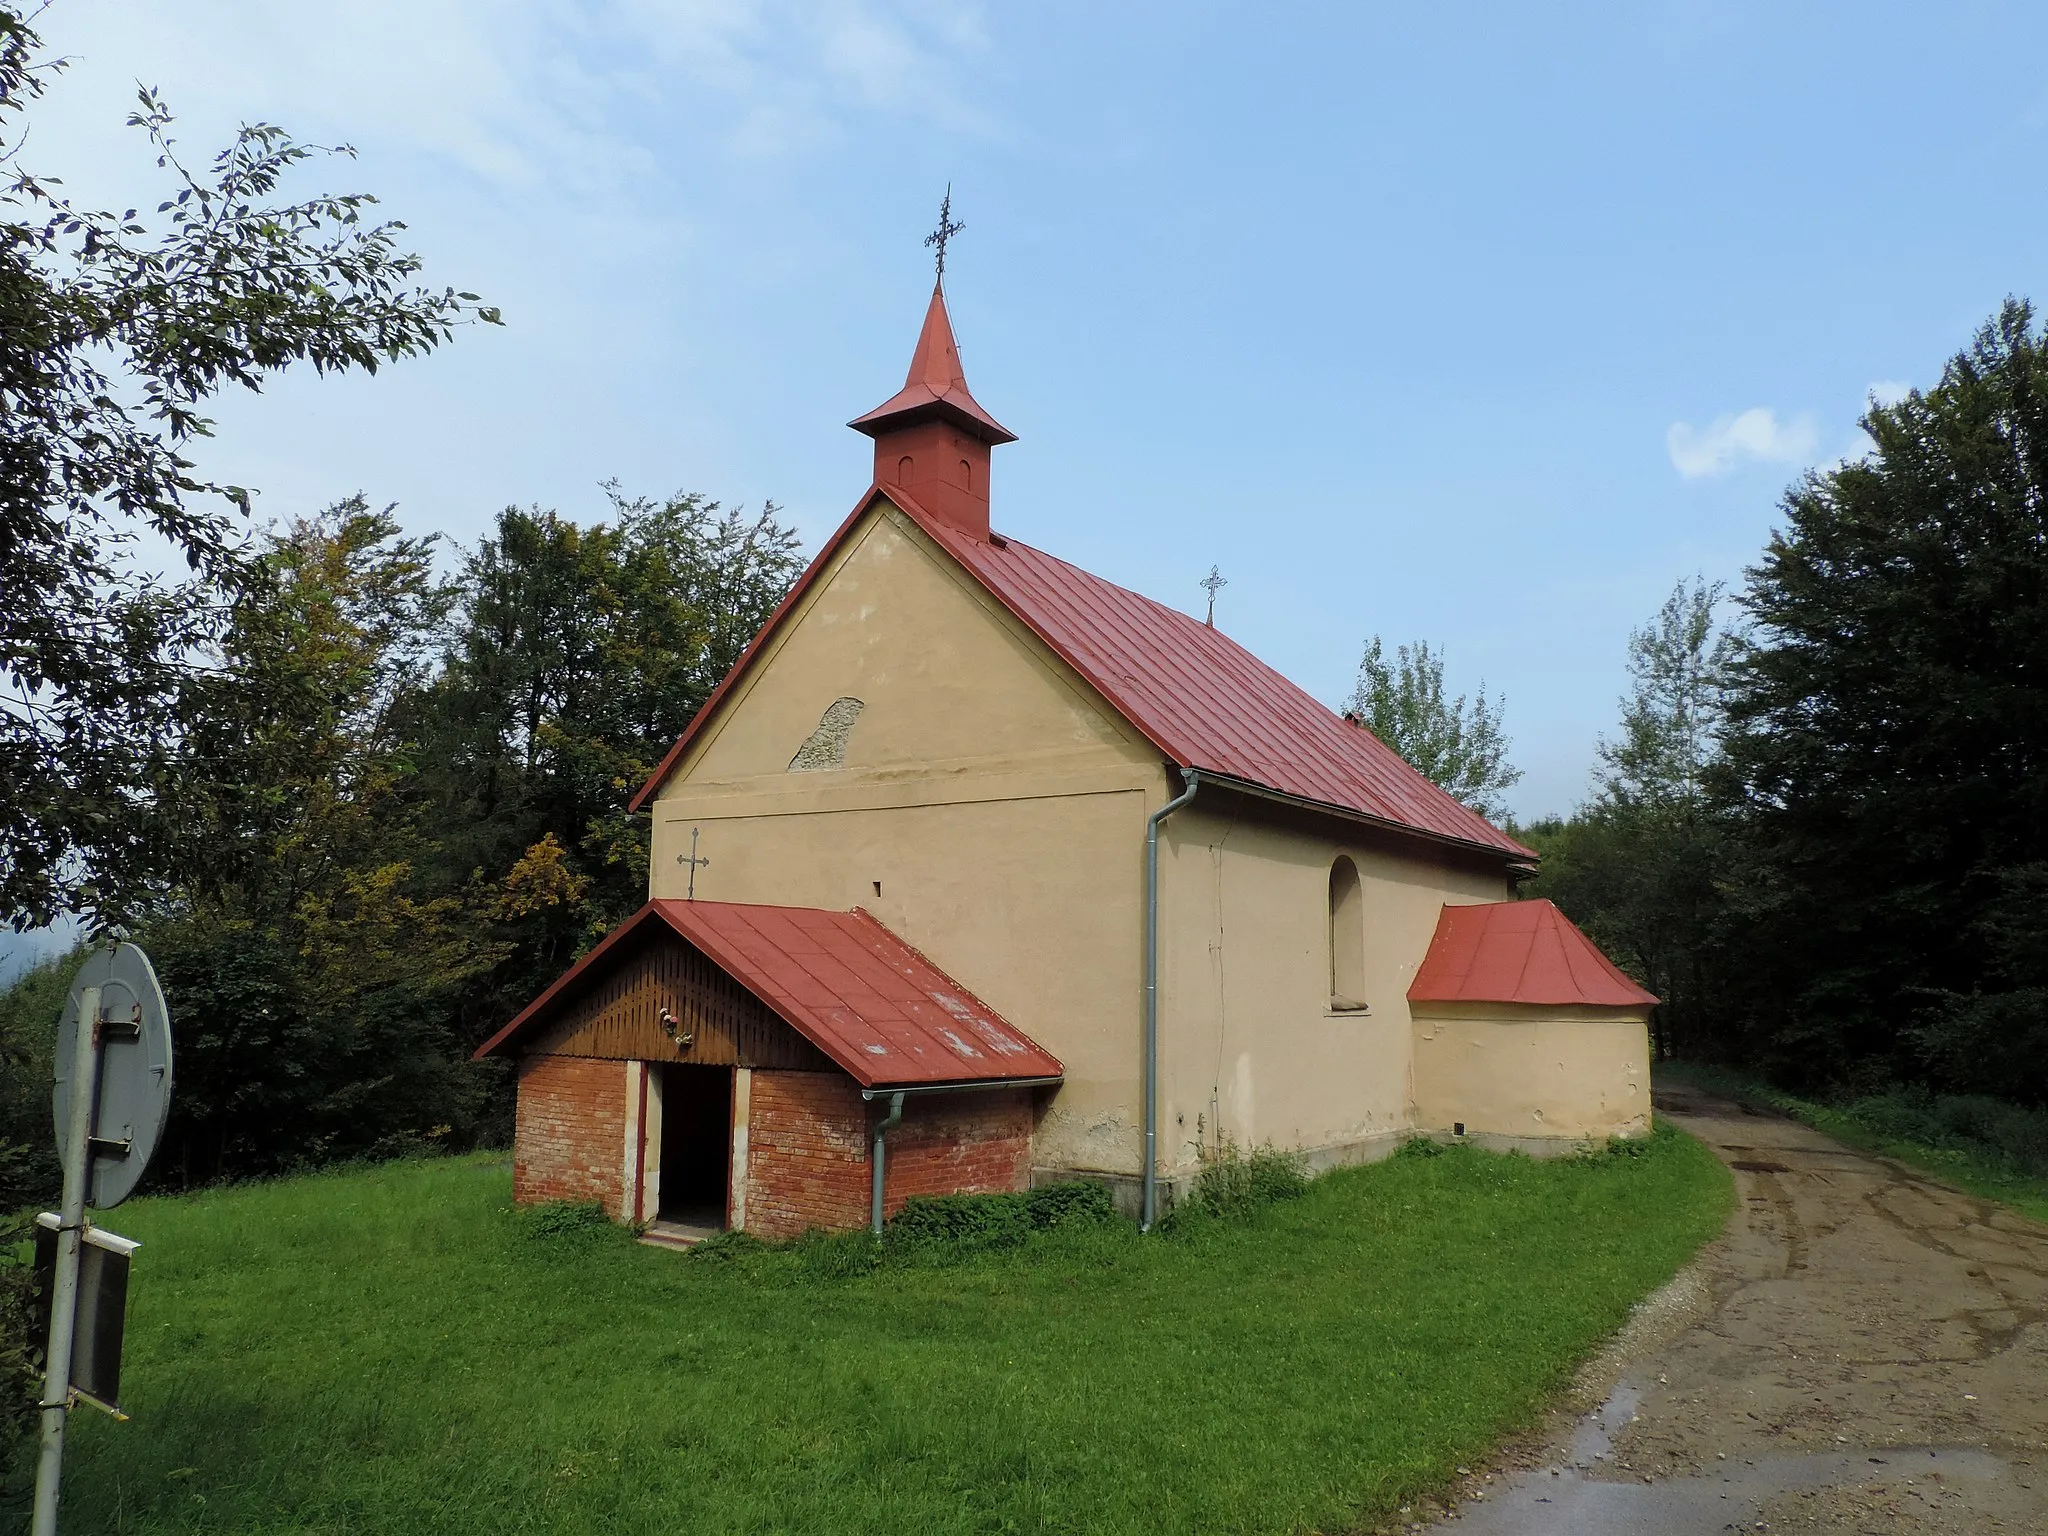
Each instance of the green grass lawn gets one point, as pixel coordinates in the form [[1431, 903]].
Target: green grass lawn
[[391, 1350], [1991, 1149]]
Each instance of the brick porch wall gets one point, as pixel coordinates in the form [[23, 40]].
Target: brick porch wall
[[959, 1144], [807, 1150], [807, 1156], [569, 1140]]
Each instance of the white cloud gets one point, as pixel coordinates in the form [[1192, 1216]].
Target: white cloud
[[1754, 435], [1889, 391]]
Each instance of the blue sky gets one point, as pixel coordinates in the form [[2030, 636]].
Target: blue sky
[[1479, 324]]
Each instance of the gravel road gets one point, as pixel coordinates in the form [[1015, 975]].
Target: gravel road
[[1864, 1350]]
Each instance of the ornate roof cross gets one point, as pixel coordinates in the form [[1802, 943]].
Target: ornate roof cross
[[947, 229], [1211, 582]]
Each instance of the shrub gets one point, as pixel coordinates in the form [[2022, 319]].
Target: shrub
[[21, 1378], [964, 1223], [1079, 1203], [1994, 1128], [30, 1007]]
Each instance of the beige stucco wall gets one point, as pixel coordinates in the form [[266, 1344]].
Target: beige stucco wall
[[1524, 1072], [990, 808], [996, 803], [1253, 1052]]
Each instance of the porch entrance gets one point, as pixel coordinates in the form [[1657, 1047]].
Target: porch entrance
[[696, 1145]]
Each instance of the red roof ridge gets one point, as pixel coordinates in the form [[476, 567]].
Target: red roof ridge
[[1519, 952]]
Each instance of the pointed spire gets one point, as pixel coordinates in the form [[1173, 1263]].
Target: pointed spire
[[932, 438], [936, 388]]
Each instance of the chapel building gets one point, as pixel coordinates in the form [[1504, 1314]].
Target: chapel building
[[980, 870]]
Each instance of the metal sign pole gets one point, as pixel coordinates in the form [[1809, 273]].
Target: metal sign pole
[[64, 1292]]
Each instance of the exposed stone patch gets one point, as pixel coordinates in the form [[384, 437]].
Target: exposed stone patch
[[825, 747]]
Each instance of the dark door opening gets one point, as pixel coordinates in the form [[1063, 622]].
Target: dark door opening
[[696, 1144]]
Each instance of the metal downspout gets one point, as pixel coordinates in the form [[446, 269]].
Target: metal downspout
[[886, 1123], [1150, 1210]]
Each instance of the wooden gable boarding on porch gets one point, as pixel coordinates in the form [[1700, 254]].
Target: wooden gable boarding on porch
[[616, 1012]]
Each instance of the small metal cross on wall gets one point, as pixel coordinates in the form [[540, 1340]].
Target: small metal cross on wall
[[694, 862], [947, 229], [1211, 582]]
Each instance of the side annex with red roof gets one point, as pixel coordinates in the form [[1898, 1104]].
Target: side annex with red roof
[[979, 870]]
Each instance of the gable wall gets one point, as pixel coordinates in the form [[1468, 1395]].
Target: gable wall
[[1251, 1049], [998, 804], [616, 1014]]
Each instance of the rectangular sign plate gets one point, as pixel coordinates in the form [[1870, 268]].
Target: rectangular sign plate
[[102, 1309]]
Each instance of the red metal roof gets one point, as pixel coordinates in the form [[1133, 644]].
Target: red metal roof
[[1518, 952], [1202, 699], [937, 386], [871, 1002], [1206, 701]]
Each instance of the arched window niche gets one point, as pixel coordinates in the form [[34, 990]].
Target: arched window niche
[[1347, 939]]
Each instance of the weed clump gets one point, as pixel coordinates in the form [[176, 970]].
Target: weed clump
[[836, 1255], [930, 1230], [979, 1223], [1234, 1184], [564, 1221], [728, 1247], [1615, 1149]]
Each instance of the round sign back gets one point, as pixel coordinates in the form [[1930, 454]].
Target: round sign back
[[135, 1070]]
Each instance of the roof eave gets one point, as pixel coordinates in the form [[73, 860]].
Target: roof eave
[[1507, 850], [1636, 1005], [891, 417]]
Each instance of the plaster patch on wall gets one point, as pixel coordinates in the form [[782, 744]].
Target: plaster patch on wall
[[825, 748]]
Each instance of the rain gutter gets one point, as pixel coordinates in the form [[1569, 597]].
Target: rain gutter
[[1149, 1212]]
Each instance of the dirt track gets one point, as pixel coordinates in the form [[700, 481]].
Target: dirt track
[[1864, 1350]]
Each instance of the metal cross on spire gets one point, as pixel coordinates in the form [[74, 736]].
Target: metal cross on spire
[[947, 229], [1211, 582]]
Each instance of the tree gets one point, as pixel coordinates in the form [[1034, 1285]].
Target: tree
[[1673, 713], [317, 979], [1638, 866], [578, 654], [1455, 743], [1888, 744], [113, 335]]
